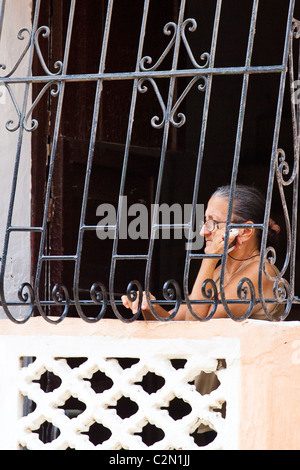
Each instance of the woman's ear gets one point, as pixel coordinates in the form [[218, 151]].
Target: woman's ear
[[246, 233]]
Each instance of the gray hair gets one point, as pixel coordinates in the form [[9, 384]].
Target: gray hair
[[249, 204]]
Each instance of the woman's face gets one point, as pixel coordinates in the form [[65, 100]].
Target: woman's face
[[217, 208]]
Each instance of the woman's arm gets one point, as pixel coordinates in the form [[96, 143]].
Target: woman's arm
[[206, 271]]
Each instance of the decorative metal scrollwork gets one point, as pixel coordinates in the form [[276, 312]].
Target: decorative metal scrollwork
[[10, 123], [34, 123], [201, 87], [281, 287], [147, 59], [60, 296], [282, 169], [147, 73], [134, 291], [53, 92], [45, 32], [244, 288], [210, 292], [205, 56], [172, 293], [21, 38], [25, 296], [99, 296], [156, 122], [296, 28]]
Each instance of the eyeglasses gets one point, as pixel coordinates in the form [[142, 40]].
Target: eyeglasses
[[211, 224]]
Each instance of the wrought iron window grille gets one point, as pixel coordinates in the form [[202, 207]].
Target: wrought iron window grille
[[146, 75]]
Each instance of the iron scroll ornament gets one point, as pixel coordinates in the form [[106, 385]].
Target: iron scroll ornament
[[33, 39], [142, 88], [282, 289]]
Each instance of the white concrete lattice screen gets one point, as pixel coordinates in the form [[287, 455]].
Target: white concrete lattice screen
[[102, 353]]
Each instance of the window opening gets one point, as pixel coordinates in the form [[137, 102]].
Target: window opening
[[148, 108]]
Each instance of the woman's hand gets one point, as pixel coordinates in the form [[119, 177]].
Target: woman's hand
[[135, 305], [215, 242]]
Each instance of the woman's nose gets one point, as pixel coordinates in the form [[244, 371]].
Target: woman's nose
[[204, 231]]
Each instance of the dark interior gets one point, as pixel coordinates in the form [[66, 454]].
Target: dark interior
[[144, 157]]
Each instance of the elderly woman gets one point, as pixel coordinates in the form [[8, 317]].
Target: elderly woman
[[242, 261]]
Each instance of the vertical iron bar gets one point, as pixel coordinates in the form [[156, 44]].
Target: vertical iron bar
[[125, 164], [162, 161], [295, 176], [2, 10], [296, 131], [200, 155], [51, 169], [15, 175], [236, 159], [89, 166], [274, 156]]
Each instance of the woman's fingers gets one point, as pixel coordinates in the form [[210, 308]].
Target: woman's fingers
[[145, 302], [125, 301], [134, 306]]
